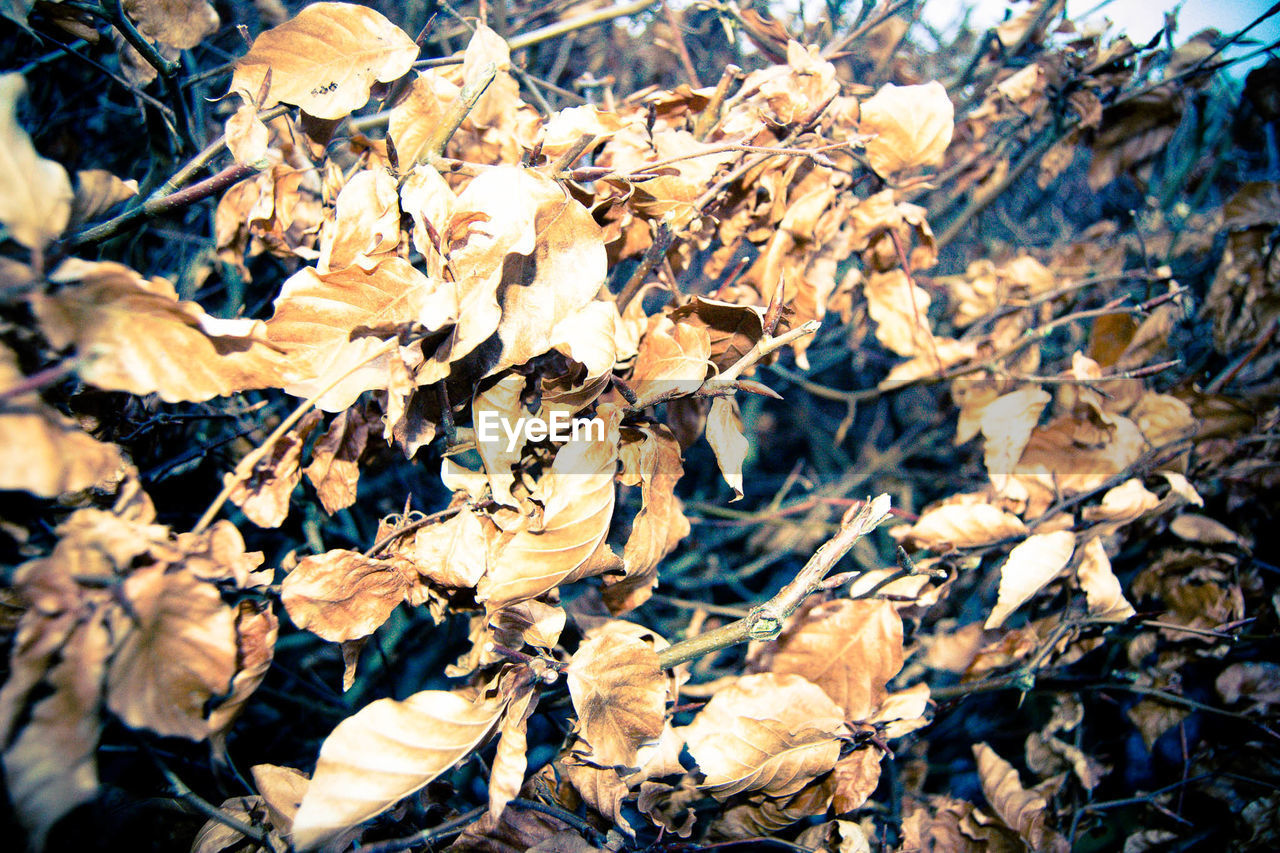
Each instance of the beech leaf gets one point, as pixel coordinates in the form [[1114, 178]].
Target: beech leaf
[[1031, 565], [619, 692], [383, 753], [909, 126], [35, 193], [326, 59], [766, 732], [343, 595]]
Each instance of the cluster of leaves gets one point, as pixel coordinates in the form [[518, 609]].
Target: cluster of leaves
[[409, 247]]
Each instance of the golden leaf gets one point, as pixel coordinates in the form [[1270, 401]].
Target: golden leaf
[[765, 732], [136, 336], [619, 692], [1031, 564], [1022, 810], [724, 434], [909, 126], [334, 468], [35, 193], [41, 450], [343, 595], [963, 525], [177, 23], [326, 59], [851, 649], [264, 495], [383, 753]]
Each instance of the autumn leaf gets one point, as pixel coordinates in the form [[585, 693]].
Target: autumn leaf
[[909, 126], [35, 193], [316, 313], [177, 23], [334, 468], [1022, 810], [41, 450], [264, 495], [578, 499], [179, 651], [619, 692], [851, 649], [724, 434], [765, 732], [962, 525], [343, 595], [1101, 587], [129, 331], [383, 753], [1031, 564], [326, 59]]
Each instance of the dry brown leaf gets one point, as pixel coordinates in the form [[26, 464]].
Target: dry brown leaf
[[50, 766], [1258, 682], [452, 553], [1126, 502], [496, 406], [343, 595], [315, 315], [35, 193], [673, 358], [620, 693], [654, 463], [1021, 809], [97, 191], [282, 790], [1007, 423], [1031, 564], [601, 788], [909, 126], [962, 526], [724, 434], [178, 652], [901, 311], [1101, 588], [835, 836], [334, 468], [383, 753], [247, 137], [256, 631], [41, 450], [578, 497], [511, 759], [856, 777], [1194, 527], [264, 495], [365, 228], [177, 23], [326, 59], [128, 330], [765, 732], [851, 649]]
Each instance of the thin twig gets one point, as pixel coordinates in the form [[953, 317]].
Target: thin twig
[[764, 621], [426, 836]]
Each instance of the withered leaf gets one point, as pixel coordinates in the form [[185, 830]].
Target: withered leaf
[[619, 692], [326, 59], [383, 753], [343, 595], [1031, 565], [724, 434], [578, 495], [1022, 810], [179, 651], [334, 468], [177, 23], [128, 330], [965, 525], [264, 495], [765, 732], [1101, 587], [35, 193], [851, 649], [41, 450], [909, 126]]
